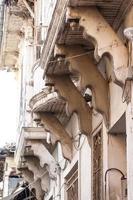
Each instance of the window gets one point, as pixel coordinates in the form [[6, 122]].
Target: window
[[97, 166], [72, 183]]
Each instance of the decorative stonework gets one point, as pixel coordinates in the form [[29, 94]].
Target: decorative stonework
[[75, 101], [51, 111], [53, 125], [46, 159], [89, 76], [39, 172], [28, 176], [98, 30], [49, 102]]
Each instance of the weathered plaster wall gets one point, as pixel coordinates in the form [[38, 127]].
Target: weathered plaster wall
[[85, 170], [38, 80], [84, 158], [96, 119], [117, 107], [116, 159], [129, 18], [73, 128]]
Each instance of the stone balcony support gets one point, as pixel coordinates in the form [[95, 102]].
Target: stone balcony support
[[103, 37], [52, 124], [39, 172], [45, 157], [28, 176], [89, 76], [49, 110], [75, 101]]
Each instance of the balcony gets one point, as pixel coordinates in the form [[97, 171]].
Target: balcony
[[27, 133], [60, 32], [49, 102]]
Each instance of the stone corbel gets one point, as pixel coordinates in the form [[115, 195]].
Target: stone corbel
[[45, 157], [89, 76], [39, 172], [28, 176], [52, 124], [75, 101], [104, 38]]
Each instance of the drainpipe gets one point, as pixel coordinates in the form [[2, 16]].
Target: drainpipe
[[2, 4]]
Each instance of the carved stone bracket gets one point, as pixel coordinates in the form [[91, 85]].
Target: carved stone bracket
[[89, 76], [49, 110], [103, 37], [28, 176], [39, 172], [76, 102], [45, 157], [52, 124]]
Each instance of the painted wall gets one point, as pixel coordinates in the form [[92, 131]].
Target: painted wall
[[117, 107], [116, 159]]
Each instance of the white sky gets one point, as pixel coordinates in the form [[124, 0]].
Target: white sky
[[8, 107]]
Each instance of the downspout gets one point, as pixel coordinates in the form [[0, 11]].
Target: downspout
[[2, 4]]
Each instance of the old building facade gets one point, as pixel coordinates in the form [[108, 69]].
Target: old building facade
[[73, 60]]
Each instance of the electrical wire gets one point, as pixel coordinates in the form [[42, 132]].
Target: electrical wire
[[30, 184], [83, 54], [70, 57], [36, 181]]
